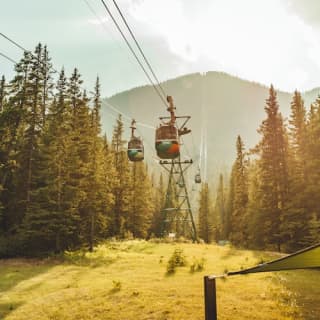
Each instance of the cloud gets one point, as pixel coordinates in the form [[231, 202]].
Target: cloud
[[265, 41], [309, 10], [257, 40]]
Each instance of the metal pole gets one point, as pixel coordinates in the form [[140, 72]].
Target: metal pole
[[210, 299]]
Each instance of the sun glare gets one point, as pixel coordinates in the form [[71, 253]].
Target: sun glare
[[257, 40]]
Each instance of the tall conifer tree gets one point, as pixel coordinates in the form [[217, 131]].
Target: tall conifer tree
[[159, 198], [312, 163], [141, 204], [122, 190], [205, 231], [273, 164], [239, 233], [219, 211], [2, 92], [293, 226]]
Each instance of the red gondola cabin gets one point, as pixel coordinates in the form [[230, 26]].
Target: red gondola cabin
[[167, 142]]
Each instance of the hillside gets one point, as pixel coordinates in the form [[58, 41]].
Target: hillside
[[128, 280], [225, 105]]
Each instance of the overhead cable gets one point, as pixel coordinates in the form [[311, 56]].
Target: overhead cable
[[103, 25], [112, 107], [25, 50], [13, 42], [28, 51], [8, 58], [141, 124], [133, 52], [139, 47]]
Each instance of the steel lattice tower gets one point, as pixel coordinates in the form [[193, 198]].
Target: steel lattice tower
[[177, 213]]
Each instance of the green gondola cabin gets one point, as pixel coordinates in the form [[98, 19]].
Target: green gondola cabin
[[135, 150], [135, 146], [197, 178]]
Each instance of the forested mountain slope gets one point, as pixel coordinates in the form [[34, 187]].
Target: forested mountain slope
[[224, 105]]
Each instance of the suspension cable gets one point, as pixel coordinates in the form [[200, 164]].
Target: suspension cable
[[102, 24], [139, 47], [148, 144], [108, 104], [133, 52], [185, 147], [144, 139], [8, 58], [25, 50], [13, 42], [141, 124]]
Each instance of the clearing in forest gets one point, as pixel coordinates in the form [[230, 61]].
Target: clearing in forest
[[129, 281]]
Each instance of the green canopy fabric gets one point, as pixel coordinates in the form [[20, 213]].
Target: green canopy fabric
[[305, 259]]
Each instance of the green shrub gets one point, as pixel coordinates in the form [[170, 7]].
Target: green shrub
[[177, 259], [171, 268]]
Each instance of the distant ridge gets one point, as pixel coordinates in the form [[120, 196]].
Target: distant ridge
[[225, 104]]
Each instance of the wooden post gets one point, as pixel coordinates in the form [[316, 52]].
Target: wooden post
[[210, 299]]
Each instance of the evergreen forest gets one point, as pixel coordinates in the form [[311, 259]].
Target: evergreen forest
[[270, 201], [63, 184], [66, 185]]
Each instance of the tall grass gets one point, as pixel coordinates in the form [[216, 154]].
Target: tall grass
[[127, 280]]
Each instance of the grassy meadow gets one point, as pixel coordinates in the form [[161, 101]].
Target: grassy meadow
[[129, 281]]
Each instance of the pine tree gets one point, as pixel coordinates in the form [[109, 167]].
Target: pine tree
[[97, 195], [226, 230], [51, 218], [141, 206], [14, 120], [219, 210], [159, 199], [94, 188], [122, 190], [312, 167], [108, 179], [83, 178], [254, 213], [298, 130], [205, 214], [239, 233], [74, 93], [2, 148], [294, 227], [26, 91], [47, 84], [273, 164], [2, 93]]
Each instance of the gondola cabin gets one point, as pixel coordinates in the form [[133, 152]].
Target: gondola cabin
[[167, 142], [197, 178], [135, 149]]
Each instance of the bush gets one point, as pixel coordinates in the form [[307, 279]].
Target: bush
[[177, 259], [171, 268]]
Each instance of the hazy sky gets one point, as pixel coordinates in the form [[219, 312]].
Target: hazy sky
[[267, 41]]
